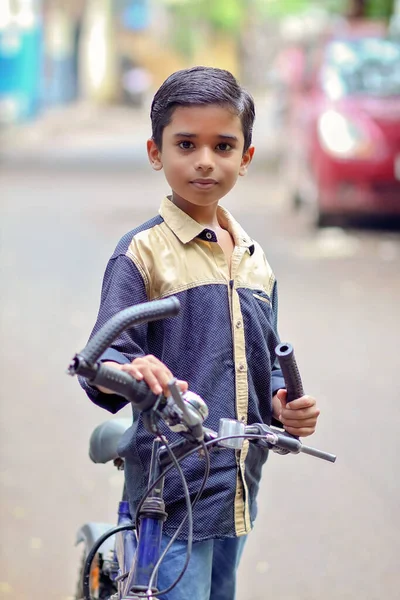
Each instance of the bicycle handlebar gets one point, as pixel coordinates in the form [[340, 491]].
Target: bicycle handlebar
[[123, 384], [86, 363], [134, 315], [291, 375], [139, 394]]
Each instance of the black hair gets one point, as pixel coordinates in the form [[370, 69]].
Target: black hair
[[200, 86]]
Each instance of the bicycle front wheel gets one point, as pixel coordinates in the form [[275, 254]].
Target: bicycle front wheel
[[101, 586]]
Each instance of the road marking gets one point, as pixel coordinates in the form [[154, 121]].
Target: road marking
[[262, 567], [36, 543], [6, 479], [19, 512], [5, 588]]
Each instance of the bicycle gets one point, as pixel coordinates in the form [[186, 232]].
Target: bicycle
[[119, 571]]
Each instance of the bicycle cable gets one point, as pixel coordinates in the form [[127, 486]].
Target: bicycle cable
[[252, 436], [174, 537], [92, 553], [132, 527], [188, 507]]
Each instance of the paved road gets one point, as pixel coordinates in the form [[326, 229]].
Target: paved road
[[323, 531]]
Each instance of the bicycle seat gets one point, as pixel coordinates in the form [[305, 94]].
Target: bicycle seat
[[104, 440]]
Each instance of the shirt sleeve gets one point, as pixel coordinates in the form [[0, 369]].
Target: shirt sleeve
[[123, 286]]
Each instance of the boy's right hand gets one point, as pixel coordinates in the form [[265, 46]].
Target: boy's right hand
[[151, 370]]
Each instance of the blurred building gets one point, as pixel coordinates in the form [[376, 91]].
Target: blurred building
[[60, 64], [21, 39], [53, 52]]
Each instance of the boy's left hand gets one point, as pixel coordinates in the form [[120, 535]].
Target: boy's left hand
[[298, 417]]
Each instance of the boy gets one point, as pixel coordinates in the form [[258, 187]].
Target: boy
[[222, 342]]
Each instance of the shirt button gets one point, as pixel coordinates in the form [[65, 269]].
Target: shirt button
[[209, 235], [238, 324], [241, 367]]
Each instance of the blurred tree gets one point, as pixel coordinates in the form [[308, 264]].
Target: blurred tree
[[200, 24], [225, 15], [377, 9], [278, 8], [191, 17], [381, 8]]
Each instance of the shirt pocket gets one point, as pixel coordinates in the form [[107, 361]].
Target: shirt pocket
[[261, 303], [261, 297]]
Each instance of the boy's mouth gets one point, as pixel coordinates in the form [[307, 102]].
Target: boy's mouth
[[204, 184]]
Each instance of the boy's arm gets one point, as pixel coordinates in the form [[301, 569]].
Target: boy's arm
[[123, 286]]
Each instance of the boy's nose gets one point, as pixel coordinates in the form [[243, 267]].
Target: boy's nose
[[204, 160]]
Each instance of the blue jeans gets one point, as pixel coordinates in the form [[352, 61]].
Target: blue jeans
[[211, 573]]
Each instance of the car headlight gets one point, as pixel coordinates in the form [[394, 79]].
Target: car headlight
[[341, 137]]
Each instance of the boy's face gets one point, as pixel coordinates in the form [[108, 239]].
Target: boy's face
[[202, 153]]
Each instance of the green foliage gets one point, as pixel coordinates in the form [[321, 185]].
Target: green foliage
[[380, 8], [225, 14], [281, 8], [190, 16]]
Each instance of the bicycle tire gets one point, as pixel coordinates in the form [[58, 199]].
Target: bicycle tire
[[106, 588]]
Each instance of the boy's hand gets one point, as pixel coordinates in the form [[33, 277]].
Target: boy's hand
[[151, 370], [299, 417]]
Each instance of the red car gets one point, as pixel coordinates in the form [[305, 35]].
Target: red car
[[344, 129]]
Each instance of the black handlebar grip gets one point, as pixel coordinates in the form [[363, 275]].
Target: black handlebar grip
[[134, 315], [123, 384], [287, 361]]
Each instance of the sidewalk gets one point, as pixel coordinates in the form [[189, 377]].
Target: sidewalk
[[77, 135], [90, 136]]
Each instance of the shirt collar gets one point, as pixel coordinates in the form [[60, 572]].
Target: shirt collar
[[187, 229]]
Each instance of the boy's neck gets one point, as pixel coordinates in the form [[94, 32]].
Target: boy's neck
[[205, 215]]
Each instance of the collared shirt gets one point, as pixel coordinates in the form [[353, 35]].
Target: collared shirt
[[222, 343]]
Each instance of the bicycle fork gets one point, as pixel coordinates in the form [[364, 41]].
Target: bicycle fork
[[140, 565]]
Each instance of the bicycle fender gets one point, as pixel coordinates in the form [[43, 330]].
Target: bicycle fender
[[89, 533]]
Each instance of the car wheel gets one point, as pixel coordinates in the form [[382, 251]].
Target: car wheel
[[321, 219], [315, 216]]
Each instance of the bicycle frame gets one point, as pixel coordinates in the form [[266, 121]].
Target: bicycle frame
[[139, 558]]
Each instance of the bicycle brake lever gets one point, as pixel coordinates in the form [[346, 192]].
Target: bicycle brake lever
[[193, 410], [279, 442], [262, 429]]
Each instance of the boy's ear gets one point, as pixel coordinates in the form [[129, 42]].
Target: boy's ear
[[246, 160], [154, 155]]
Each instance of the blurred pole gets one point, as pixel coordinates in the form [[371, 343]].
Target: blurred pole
[[98, 65], [60, 84]]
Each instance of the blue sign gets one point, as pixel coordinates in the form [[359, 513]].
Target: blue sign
[[20, 71], [136, 15]]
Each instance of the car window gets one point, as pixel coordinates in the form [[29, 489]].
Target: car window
[[368, 66]]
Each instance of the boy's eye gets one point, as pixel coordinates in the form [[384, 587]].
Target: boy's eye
[[185, 145], [224, 147]]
